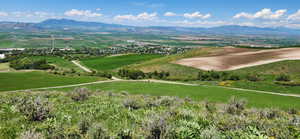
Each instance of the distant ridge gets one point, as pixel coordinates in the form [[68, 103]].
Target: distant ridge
[[63, 24]]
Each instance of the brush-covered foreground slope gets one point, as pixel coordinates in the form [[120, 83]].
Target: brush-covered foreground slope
[[10, 81], [83, 114], [115, 62], [199, 93]]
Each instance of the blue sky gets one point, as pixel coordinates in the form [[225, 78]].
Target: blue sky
[[195, 13]]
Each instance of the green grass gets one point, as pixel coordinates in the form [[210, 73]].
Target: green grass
[[115, 62], [10, 81], [177, 72], [4, 66], [291, 67], [58, 62], [211, 93]]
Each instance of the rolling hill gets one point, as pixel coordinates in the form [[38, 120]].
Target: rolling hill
[[63, 24]]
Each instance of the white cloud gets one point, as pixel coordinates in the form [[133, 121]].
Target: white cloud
[[141, 16], [263, 14], [170, 14], [196, 15], [98, 9], [3, 14], [295, 16], [85, 13]]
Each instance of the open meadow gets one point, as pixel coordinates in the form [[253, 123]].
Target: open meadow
[[11, 81]]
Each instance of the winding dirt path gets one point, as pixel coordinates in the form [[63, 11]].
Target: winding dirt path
[[81, 66]]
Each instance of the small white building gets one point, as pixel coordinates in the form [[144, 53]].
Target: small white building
[[2, 56]]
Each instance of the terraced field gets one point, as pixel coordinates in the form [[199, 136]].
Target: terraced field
[[115, 62]]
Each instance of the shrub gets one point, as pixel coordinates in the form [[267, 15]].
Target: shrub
[[236, 106], [157, 128], [125, 134], [234, 78], [253, 77], [31, 135], [80, 94], [283, 77], [210, 133], [84, 125], [210, 107], [35, 109], [97, 132], [131, 104]]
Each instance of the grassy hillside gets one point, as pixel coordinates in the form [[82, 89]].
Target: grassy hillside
[[82, 114], [212, 93], [27, 80], [58, 62], [291, 67], [115, 62], [4, 66], [178, 72]]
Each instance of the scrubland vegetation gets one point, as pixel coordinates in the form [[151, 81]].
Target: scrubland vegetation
[[84, 114]]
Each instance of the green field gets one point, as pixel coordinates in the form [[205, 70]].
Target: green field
[[177, 72], [58, 62], [115, 62], [4, 66], [211, 93], [10, 81]]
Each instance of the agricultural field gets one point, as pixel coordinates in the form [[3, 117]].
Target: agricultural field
[[168, 63], [10, 81], [199, 93], [115, 62], [238, 58]]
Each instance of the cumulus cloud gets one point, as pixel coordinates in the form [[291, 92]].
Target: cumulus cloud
[[3, 14], [295, 16], [141, 16], [263, 14], [170, 14], [84, 13], [196, 15]]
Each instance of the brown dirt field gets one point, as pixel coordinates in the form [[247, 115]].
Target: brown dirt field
[[237, 58]]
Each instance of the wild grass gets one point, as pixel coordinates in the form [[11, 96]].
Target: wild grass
[[104, 115]]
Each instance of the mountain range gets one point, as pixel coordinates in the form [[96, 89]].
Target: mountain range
[[73, 25]]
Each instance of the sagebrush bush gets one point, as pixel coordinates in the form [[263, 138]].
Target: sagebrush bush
[[97, 132], [125, 134], [31, 135], [132, 104], [35, 109], [84, 125], [80, 94], [210, 107], [236, 106], [157, 127]]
